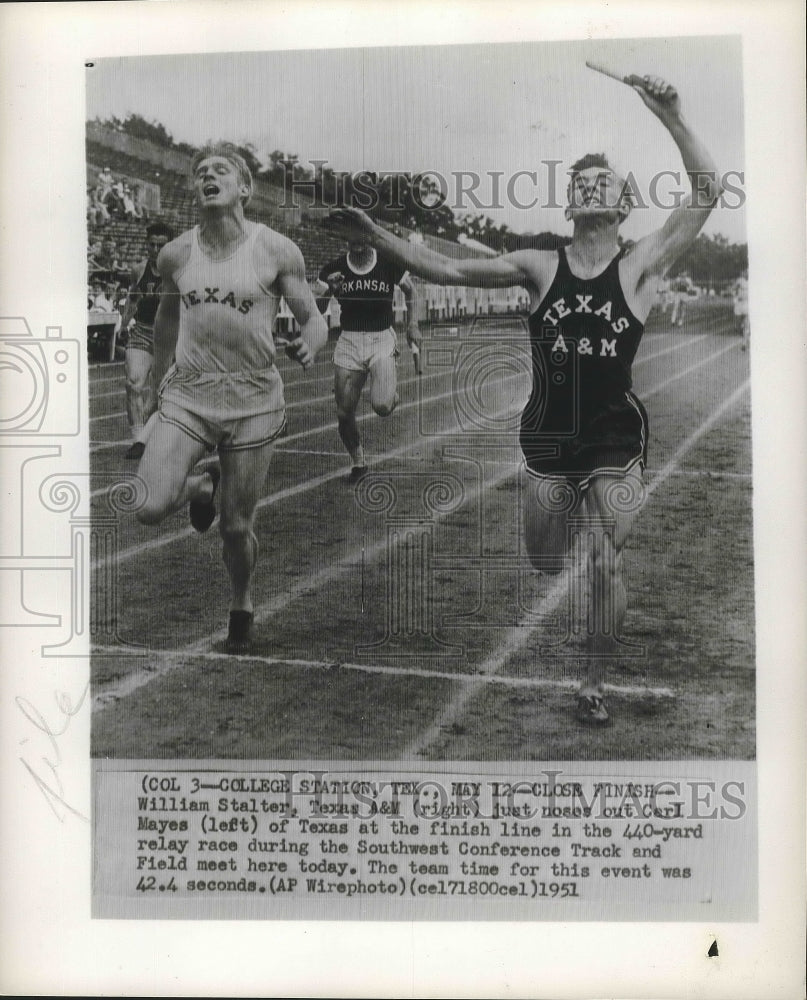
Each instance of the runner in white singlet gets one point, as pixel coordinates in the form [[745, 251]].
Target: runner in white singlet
[[221, 287]]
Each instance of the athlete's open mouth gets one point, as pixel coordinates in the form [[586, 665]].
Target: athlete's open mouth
[[210, 189]]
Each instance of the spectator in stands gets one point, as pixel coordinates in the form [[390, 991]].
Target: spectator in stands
[[101, 198], [740, 302], [104, 183], [93, 219], [92, 254], [128, 205], [107, 260], [681, 287], [101, 301], [97, 211], [140, 202], [114, 200]]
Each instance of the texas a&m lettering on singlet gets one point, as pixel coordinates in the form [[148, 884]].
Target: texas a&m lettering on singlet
[[147, 288], [365, 297], [583, 338], [226, 315]]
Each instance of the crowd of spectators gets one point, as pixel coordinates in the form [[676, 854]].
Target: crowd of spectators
[[108, 277], [114, 198]]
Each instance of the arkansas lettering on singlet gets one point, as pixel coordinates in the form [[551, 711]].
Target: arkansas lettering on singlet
[[365, 298]]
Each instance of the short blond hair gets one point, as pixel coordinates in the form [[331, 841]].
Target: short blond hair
[[227, 151]]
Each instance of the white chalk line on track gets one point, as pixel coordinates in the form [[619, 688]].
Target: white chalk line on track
[[171, 660], [327, 575], [332, 425], [313, 483], [313, 400], [694, 473], [309, 583], [407, 381], [396, 453], [118, 366], [517, 637], [102, 445], [318, 481]]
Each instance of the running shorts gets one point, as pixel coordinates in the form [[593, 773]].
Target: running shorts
[[141, 337], [358, 352], [611, 442], [230, 411]]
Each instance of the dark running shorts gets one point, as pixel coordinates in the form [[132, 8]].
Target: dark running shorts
[[612, 442], [141, 337]]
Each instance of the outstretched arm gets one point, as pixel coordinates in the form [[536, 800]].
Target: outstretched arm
[[658, 251], [297, 293], [494, 272]]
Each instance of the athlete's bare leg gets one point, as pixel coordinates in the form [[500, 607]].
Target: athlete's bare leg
[[141, 396], [383, 388], [611, 504], [166, 470], [549, 503], [348, 385], [243, 476]]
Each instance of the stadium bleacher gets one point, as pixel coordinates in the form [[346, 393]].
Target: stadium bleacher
[[300, 225]]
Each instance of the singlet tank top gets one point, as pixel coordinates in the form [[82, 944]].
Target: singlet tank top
[[583, 339], [147, 288], [365, 297], [226, 315]]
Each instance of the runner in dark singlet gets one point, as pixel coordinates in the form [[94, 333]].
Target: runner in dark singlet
[[363, 282], [583, 432], [141, 306], [582, 415]]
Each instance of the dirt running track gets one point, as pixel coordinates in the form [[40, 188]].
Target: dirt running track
[[446, 647]]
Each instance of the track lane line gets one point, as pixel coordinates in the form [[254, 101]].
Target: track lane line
[[328, 574], [172, 660], [518, 636]]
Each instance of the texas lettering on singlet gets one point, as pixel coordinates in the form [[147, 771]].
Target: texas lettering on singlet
[[365, 298], [583, 338], [226, 315], [147, 288]]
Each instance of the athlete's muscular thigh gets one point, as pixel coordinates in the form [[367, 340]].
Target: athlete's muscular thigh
[[166, 464], [243, 483], [548, 504], [616, 500], [384, 385], [348, 385], [138, 366]]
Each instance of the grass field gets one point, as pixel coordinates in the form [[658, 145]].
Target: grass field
[[399, 621]]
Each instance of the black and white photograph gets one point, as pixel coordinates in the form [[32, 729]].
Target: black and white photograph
[[432, 392], [428, 421], [399, 416]]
